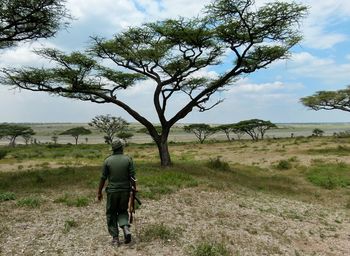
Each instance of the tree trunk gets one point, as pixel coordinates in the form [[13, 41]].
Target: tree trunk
[[162, 144], [164, 155]]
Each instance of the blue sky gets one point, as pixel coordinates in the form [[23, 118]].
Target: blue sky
[[320, 62]]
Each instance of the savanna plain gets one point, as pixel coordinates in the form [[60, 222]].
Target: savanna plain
[[277, 196]]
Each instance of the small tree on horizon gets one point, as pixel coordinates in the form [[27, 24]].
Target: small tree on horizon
[[255, 128], [13, 131], [109, 125], [201, 131], [317, 132], [76, 132]]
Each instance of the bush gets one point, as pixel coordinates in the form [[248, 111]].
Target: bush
[[218, 164], [284, 165], [3, 153]]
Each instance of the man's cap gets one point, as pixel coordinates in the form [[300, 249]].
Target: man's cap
[[117, 144]]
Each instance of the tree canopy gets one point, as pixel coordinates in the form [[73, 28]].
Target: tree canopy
[[76, 132], [255, 128], [174, 55], [110, 126], [22, 20], [329, 100], [201, 131]]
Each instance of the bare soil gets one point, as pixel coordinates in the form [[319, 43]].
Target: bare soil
[[246, 223]]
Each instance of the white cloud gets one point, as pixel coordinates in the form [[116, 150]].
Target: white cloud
[[324, 15], [23, 55], [324, 69]]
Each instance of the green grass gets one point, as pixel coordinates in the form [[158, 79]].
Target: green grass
[[31, 202], [159, 232], [69, 200], [330, 176], [338, 151], [69, 224], [7, 196], [208, 248], [44, 180]]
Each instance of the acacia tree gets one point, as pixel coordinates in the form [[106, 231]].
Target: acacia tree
[[255, 128], [13, 131], [22, 20], [172, 54], [76, 132], [109, 125], [202, 131], [329, 100]]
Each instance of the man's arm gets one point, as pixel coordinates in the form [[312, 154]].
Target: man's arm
[[100, 187]]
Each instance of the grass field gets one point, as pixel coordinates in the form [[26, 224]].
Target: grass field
[[288, 196]]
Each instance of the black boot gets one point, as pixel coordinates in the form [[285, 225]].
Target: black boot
[[127, 234], [115, 241]]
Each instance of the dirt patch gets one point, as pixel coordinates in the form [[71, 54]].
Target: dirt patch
[[246, 223]]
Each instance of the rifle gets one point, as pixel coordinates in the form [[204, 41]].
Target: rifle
[[132, 199]]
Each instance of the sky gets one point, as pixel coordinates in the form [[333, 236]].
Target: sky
[[321, 61]]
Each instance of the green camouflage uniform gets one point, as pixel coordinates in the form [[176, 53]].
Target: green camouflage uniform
[[118, 169]]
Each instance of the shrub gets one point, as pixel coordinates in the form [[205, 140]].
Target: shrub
[[284, 165], [218, 164], [3, 153]]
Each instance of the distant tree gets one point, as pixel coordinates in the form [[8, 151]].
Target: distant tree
[[13, 131], [125, 136], [317, 132], [27, 137], [202, 131], [255, 128], [109, 125], [173, 55], [227, 129], [54, 139], [22, 20], [76, 132], [329, 100]]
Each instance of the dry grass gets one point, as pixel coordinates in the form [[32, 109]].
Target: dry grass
[[254, 207]]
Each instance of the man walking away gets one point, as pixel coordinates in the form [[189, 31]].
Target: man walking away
[[119, 170]]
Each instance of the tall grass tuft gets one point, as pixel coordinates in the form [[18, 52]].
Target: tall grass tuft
[[207, 248], [69, 224], [7, 196], [31, 202], [159, 232]]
